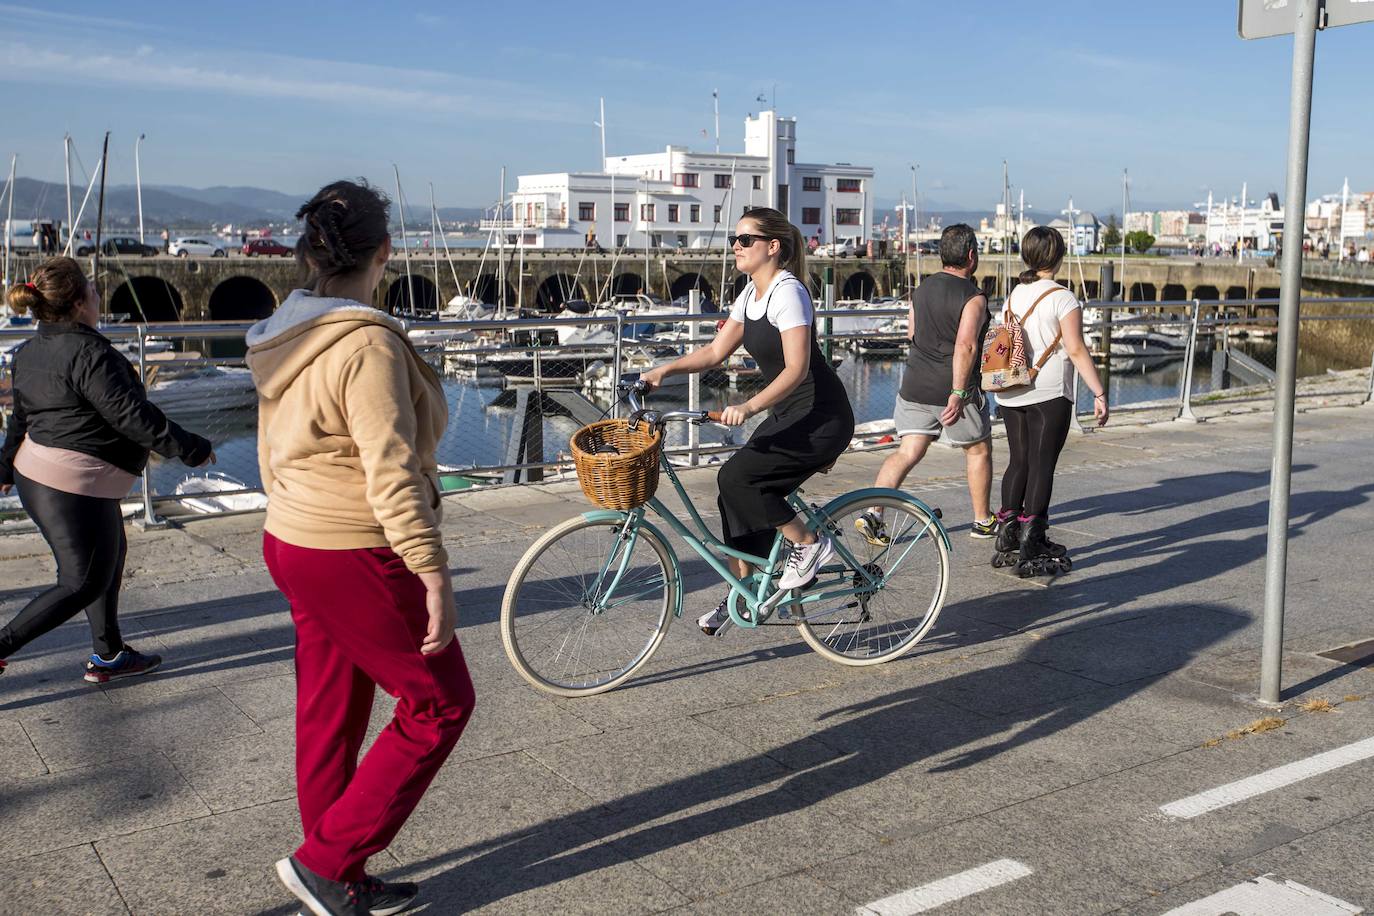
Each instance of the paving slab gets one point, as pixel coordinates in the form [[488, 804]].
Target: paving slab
[[60, 882]]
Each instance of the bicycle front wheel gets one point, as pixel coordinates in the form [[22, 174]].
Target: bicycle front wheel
[[587, 606], [896, 588]]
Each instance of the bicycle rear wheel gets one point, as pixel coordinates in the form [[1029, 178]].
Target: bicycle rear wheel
[[901, 586], [587, 606]]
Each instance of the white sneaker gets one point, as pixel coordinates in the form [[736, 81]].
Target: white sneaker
[[803, 563], [712, 622]]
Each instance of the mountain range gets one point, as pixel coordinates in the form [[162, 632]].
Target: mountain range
[[176, 206]]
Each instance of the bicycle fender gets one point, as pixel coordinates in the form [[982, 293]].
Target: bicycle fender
[[872, 492], [612, 515]]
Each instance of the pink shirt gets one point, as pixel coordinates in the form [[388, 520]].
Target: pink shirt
[[72, 472]]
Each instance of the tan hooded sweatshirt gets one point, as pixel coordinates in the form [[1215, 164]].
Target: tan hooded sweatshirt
[[349, 416]]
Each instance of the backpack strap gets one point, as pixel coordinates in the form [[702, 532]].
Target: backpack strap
[[1054, 345]]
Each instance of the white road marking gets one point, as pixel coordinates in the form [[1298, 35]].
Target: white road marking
[[1269, 780], [1266, 897], [937, 893]]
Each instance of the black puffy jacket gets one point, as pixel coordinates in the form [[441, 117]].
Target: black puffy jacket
[[74, 390]]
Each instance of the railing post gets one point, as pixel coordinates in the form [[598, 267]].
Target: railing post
[[693, 380], [151, 521], [619, 338], [1185, 385], [1074, 422]]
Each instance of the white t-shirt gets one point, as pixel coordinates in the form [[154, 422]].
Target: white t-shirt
[[1056, 376], [786, 300]]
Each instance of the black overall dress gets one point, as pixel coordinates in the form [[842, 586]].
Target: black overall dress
[[804, 433]]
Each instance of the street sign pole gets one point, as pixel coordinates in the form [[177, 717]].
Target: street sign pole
[[1290, 293]]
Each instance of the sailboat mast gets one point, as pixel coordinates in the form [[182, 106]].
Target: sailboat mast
[[434, 243], [405, 244], [9, 221], [1125, 202], [67, 162], [100, 216], [501, 245]]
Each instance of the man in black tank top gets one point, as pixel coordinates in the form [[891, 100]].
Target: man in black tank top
[[940, 396]]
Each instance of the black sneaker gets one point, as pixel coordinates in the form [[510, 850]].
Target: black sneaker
[[321, 896], [384, 898], [984, 530], [871, 526], [128, 663]]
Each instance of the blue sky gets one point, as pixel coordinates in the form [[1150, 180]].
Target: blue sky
[[289, 96]]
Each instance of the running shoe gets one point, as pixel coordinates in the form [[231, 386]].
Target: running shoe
[[128, 663], [711, 623], [984, 530], [804, 562], [873, 528], [385, 898], [321, 896]]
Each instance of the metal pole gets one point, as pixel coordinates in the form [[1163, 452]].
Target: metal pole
[[619, 350], [151, 520], [829, 305], [1076, 424], [694, 380], [67, 164], [100, 218], [1185, 384], [1290, 294], [9, 221], [138, 186], [916, 202]]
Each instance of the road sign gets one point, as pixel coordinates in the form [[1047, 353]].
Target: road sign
[[1267, 18]]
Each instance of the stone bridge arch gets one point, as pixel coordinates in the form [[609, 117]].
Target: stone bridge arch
[[557, 289], [397, 298], [148, 299], [241, 298]]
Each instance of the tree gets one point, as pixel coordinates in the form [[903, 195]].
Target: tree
[[1140, 240], [1112, 236]]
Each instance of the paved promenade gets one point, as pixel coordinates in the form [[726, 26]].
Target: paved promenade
[[1045, 750]]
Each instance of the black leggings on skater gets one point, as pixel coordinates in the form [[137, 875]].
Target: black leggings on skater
[[1035, 437], [86, 535]]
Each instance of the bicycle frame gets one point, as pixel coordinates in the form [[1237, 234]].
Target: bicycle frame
[[758, 592]]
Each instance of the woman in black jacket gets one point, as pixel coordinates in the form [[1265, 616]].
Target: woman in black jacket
[[78, 438]]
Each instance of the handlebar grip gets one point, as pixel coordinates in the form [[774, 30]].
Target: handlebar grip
[[713, 416]]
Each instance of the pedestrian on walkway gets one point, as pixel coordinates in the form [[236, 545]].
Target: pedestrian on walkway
[[349, 416], [810, 421], [940, 397], [1037, 415], [77, 440]]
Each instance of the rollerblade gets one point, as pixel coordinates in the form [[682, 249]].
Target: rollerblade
[[1039, 556], [1007, 547]]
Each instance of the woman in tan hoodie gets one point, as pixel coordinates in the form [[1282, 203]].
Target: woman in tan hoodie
[[349, 417]]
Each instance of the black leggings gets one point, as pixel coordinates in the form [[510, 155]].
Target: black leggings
[[86, 535], [1035, 437]]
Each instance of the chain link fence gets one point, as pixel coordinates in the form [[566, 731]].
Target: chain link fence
[[518, 389]]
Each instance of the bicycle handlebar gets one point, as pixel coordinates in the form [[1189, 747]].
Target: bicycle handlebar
[[634, 392]]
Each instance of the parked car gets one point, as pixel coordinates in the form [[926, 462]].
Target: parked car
[[197, 245], [268, 248], [844, 248], [929, 246], [117, 246]]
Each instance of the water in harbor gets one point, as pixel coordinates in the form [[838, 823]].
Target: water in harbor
[[480, 431]]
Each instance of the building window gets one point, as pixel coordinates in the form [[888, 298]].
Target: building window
[[811, 184], [586, 211], [848, 185], [791, 156], [717, 215], [620, 241], [538, 213], [673, 210], [656, 240], [783, 196], [846, 217], [622, 213], [811, 216], [695, 213], [758, 182], [686, 179], [722, 181], [682, 240], [646, 212]]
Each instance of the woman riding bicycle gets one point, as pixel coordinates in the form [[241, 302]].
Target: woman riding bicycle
[[810, 422]]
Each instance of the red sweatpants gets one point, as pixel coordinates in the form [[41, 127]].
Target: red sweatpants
[[360, 619]]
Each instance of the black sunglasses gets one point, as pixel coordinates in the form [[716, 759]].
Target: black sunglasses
[[747, 239]]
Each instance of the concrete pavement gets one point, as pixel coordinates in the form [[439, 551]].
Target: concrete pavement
[[1039, 726]]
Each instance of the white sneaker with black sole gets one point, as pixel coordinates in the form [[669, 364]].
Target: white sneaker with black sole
[[804, 562]]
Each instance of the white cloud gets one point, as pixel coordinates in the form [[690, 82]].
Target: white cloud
[[287, 78]]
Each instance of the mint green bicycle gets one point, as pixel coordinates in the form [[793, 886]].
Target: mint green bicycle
[[591, 600]]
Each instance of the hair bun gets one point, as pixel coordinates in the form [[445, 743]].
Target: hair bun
[[24, 299]]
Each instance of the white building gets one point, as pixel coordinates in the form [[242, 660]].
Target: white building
[[1081, 237], [684, 199], [1255, 228]]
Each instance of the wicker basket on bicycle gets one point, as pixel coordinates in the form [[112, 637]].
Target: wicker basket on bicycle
[[617, 466]]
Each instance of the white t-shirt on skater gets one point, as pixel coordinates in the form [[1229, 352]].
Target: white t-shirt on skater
[[786, 300], [1056, 376]]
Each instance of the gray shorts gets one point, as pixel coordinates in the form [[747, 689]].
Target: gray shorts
[[974, 424]]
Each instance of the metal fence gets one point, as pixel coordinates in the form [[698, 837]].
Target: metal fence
[[518, 389]]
